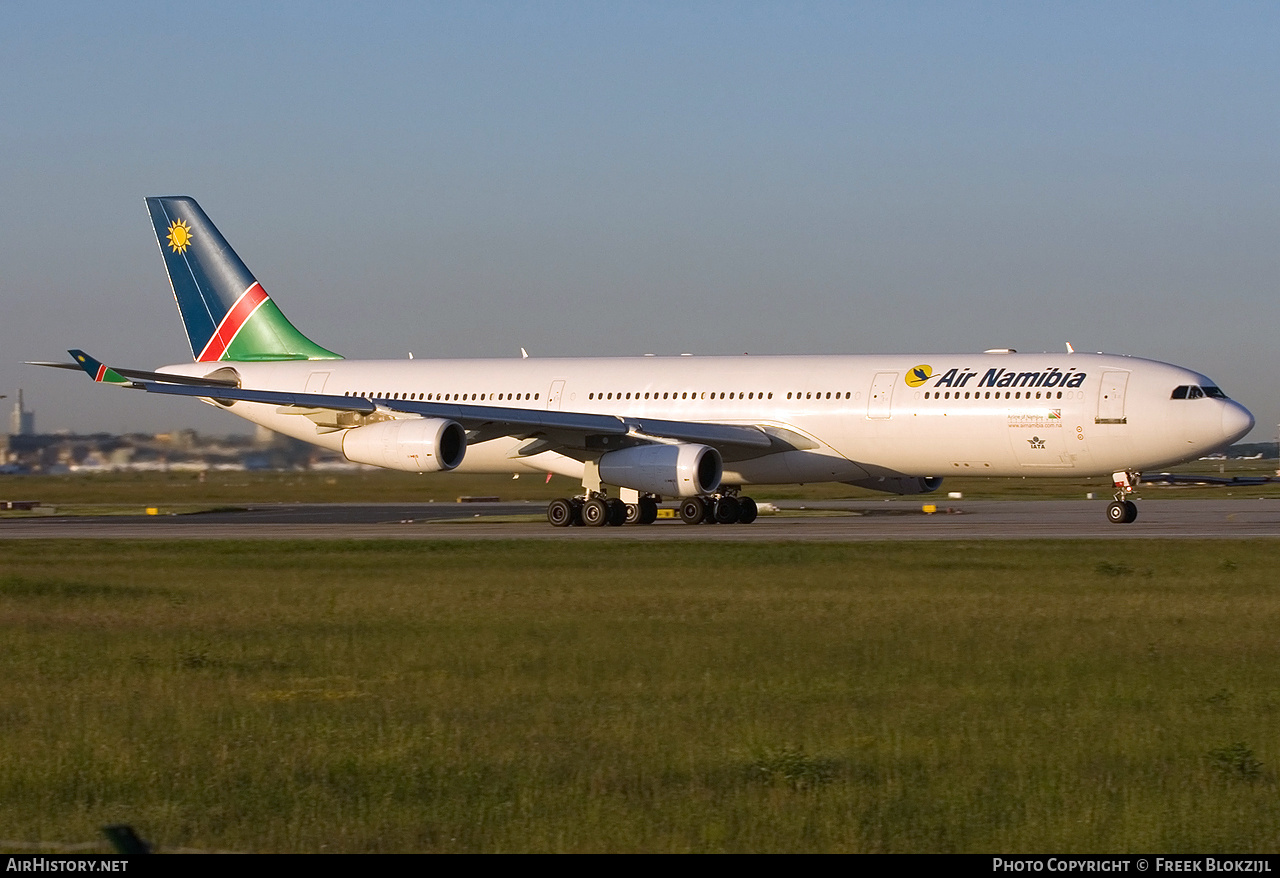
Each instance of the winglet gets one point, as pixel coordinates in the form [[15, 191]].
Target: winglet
[[98, 371]]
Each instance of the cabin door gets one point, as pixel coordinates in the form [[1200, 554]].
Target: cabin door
[[553, 395], [880, 400], [1111, 398]]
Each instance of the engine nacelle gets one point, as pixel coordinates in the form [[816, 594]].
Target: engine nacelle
[[417, 445], [668, 470], [900, 484]]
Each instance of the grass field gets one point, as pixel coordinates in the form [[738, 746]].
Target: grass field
[[536, 696]]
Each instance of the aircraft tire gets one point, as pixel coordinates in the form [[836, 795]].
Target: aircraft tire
[[1118, 513], [634, 514], [595, 513], [617, 512], [727, 510], [693, 510], [1130, 512], [560, 512], [747, 510], [648, 510]]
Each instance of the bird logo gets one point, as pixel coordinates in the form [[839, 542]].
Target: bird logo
[[918, 375]]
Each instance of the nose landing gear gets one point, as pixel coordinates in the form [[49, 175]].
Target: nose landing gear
[[1123, 510]]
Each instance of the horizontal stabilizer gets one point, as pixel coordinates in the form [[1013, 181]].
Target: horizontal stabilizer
[[98, 371], [140, 375]]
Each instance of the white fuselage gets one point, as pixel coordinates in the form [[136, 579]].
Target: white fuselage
[[850, 418]]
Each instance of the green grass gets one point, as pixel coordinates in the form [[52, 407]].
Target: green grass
[[540, 696]]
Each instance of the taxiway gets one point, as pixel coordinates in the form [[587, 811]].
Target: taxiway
[[832, 521]]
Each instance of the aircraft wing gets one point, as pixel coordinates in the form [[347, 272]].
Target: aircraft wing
[[574, 433]]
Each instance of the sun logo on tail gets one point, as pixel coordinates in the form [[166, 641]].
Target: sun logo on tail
[[179, 236], [919, 375]]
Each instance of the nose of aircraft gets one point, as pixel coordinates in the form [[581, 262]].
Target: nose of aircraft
[[1236, 421]]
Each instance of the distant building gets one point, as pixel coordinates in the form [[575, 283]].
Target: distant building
[[21, 421]]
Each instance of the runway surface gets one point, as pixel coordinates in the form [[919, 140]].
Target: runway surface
[[832, 521]]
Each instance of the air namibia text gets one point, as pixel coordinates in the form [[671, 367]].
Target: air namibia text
[[1051, 377]]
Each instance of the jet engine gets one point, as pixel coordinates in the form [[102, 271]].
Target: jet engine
[[418, 445], [900, 484], [669, 470]]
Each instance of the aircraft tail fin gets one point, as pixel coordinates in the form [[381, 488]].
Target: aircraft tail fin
[[227, 314]]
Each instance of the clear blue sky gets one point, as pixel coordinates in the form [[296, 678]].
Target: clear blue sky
[[589, 178]]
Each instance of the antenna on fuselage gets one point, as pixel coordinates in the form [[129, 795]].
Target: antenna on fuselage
[[1070, 349]]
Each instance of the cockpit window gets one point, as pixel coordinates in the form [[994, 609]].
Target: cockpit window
[[1191, 391]]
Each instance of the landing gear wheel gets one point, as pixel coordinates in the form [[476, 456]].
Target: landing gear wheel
[[727, 510], [648, 510], [617, 512], [595, 513], [633, 513], [1122, 512], [560, 512], [747, 510], [693, 510]]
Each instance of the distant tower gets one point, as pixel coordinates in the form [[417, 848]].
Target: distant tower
[[21, 421]]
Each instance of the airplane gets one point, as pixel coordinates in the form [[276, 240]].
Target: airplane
[[636, 431]]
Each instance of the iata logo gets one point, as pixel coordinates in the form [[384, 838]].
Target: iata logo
[[919, 375], [179, 237]]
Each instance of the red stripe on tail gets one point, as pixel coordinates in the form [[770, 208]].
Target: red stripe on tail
[[235, 320]]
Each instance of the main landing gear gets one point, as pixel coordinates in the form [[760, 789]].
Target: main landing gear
[[1123, 510], [598, 510], [720, 509]]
